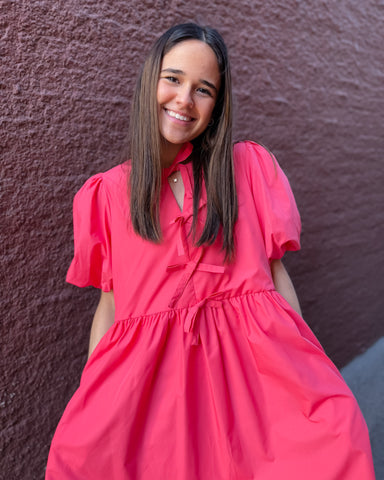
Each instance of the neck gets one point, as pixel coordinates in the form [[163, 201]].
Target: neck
[[168, 154]]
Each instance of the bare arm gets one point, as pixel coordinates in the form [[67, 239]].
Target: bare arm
[[102, 320], [284, 285]]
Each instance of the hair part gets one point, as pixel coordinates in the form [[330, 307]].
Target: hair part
[[212, 155]]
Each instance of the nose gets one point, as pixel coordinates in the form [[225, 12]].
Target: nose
[[184, 97]]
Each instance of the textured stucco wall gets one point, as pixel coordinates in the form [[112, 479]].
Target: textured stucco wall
[[308, 80]]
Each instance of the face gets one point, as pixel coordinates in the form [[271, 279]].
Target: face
[[186, 94]]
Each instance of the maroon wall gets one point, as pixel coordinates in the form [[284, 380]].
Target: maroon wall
[[308, 80]]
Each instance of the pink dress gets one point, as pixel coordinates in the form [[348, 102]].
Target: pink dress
[[207, 372]]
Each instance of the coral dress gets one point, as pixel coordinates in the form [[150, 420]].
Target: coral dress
[[207, 372]]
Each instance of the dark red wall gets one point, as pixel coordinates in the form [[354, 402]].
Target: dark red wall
[[309, 83]]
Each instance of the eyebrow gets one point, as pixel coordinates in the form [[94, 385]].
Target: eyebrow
[[180, 72]]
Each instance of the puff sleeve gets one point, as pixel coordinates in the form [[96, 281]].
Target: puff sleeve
[[274, 201], [91, 264]]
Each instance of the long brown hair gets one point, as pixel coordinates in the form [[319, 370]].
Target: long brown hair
[[211, 157]]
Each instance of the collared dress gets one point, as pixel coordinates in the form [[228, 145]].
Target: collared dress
[[207, 372]]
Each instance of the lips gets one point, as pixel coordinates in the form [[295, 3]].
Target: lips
[[178, 116]]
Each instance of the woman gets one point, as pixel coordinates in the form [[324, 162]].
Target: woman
[[200, 366]]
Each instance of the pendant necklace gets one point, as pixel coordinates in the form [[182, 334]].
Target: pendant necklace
[[174, 178]]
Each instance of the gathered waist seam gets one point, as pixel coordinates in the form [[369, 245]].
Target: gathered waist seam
[[189, 307]]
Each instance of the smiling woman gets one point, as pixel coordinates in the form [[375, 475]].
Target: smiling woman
[[201, 366], [186, 95], [213, 155]]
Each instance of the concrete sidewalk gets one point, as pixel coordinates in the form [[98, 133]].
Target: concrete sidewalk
[[365, 377]]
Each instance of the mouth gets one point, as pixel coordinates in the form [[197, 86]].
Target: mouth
[[178, 116]]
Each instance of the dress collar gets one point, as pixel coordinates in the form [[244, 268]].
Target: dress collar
[[183, 154]]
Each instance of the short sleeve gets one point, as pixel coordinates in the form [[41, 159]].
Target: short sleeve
[[91, 264], [274, 201]]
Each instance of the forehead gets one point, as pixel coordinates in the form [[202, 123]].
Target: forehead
[[190, 55]]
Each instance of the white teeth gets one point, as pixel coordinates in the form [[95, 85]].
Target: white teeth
[[178, 116]]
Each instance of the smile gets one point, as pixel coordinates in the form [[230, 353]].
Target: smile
[[178, 116]]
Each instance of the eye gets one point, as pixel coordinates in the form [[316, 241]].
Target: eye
[[205, 91], [171, 79]]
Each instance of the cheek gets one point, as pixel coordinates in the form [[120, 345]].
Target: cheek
[[208, 110], [159, 93], [163, 93]]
